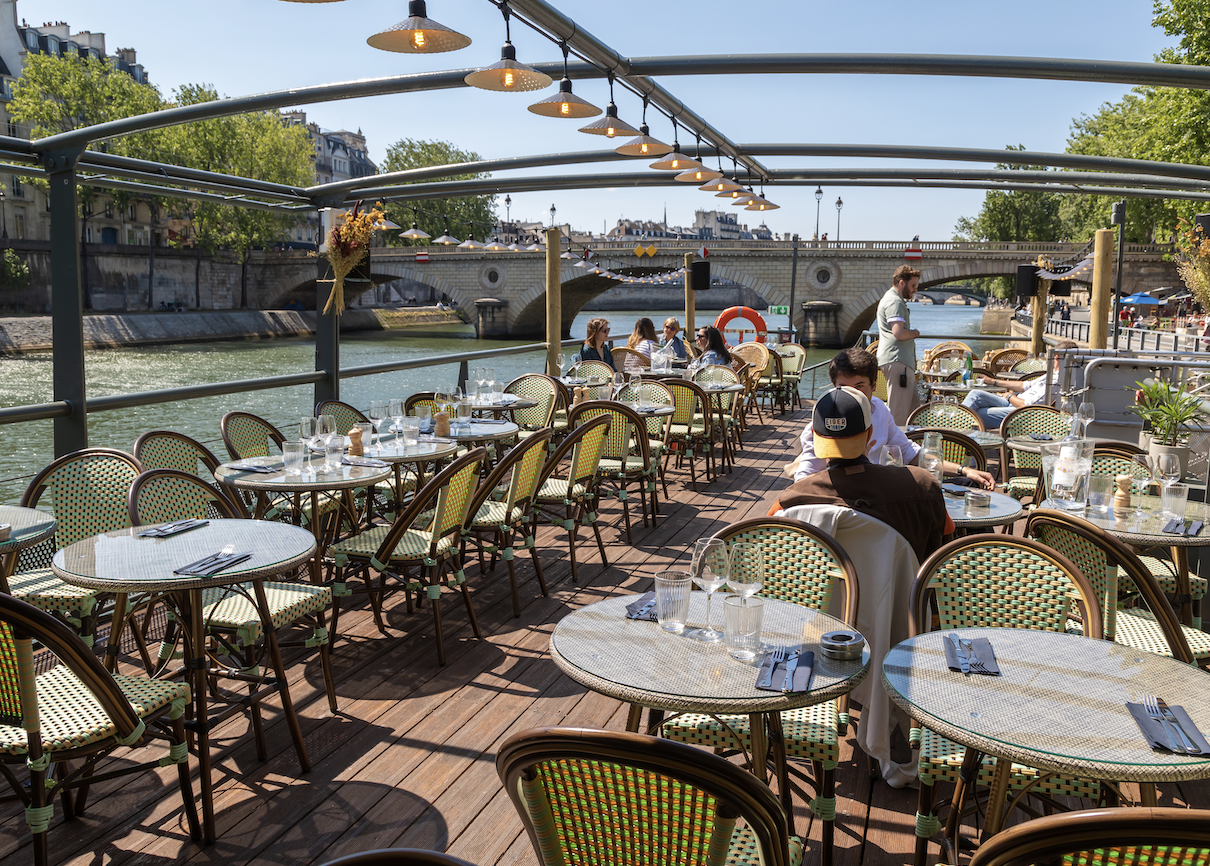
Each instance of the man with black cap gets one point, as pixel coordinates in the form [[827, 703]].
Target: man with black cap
[[906, 498]]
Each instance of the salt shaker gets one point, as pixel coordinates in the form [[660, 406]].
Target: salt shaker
[[1121, 497], [355, 449]]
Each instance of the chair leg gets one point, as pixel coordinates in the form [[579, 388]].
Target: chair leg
[[435, 580], [924, 814], [509, 553], [325, 663], [571, 541], [596, 530], [188, 804], [533, 552]]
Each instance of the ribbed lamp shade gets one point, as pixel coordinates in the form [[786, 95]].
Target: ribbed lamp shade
[[515, 247], [495, 246], [564, 104], [446, 239], [744, 199], [470, 244], [536, 248], [508, 74], [416, 34], [733, 193], [415, 233], [720, 185], [644, 145], [698, 175], [762, 204], [609, 125], [675, 161]]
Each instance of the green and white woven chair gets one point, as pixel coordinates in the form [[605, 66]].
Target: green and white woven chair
[[806, 566], [793, 361], [1022, 468], [425, 537], [231, 616], [544, 392], [1104, 837], [591, 370], [690, 428], [165, 449], [501, 518], [86, 493], [995, 581], [568, 497], [1029, 365], [342, 413], [945, 416], [770, 384], [727, 405], [77, 712], [602, 797], [1002, 360], [653, 393], [956, 446], [625, 457]]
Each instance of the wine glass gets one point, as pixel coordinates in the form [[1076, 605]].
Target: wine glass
[[747, 573], [481, 377], [619, 382], [708, 568], [561, 360], [327, 432], [575, 364], [892, 455], [1143, 484], [1068, 408], [395, 410], [1168, 468], [378, 414], [308, 431], [1087, 414]]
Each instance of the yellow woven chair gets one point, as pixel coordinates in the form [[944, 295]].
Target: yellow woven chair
[[690, 428], [1029, 365], [794, 360], [625, 459], [588, 796], [653, 393]]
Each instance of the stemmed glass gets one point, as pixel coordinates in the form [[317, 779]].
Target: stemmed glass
[[1068, 408], [481, 377], [1147, 462], [1087, 414], [575, 363], [308, 433], [395, 410], [327, 431], [619, 382], [708, 568], [378, 414], [561, 360], [1168, 468], [747, 574]]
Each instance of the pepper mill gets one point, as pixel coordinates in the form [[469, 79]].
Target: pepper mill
[[1121, 497], [441, 424], [355, 449]]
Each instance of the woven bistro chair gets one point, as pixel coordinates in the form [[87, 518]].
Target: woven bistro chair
[[1002, 361], [343, 414], [591, 370], [77, 711], [630, 360], [568, 498], [86, 493], [605, 797], [165, 449], [728, 417], [399, 857], [163, 495], [625, 460], [544, 392], [1029, 365], [690, 428], [956, 447], [770, 384], [946, 349], [873, 347], [946, 416], [425, 536], [756, 356], [1165, 836], [1022, 469], [421, 398], [806, 566], [395, 487], [654, 393], [502, 518], [995, 581], [792, 364]]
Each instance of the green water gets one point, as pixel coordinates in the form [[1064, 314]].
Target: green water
[[28, 447]]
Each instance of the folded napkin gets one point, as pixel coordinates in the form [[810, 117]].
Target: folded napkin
[[431, 438], [983, 649], [364, 461], [1177, 526], [1153, 731], [802, 673], [491, 421], [255, 467], [645, 603], [212, 564], [170, 529]]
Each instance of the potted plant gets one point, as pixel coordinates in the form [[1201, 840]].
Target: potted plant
[[1170, 414]]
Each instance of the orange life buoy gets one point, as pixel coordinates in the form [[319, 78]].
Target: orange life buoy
[[742, 313]]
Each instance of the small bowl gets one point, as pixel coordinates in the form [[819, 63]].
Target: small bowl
[[842, 645]]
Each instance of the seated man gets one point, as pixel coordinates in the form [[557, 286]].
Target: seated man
[[992, 408], [906, 498], [857, 368]]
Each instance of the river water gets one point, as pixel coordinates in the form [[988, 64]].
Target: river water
[[28, 447]]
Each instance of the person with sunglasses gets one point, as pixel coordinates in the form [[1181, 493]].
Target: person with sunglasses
[[710, 344], [594, 348], [672, 329]]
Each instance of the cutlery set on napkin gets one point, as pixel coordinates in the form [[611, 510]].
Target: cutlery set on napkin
[[256, 467], [1168, 728], [213, 564], [167, 530], [364, 461], [786, 670], [971, 656], [642, 608], [490, 421], [1177, 526]]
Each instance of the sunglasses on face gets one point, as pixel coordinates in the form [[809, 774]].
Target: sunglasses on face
[[701, 336]]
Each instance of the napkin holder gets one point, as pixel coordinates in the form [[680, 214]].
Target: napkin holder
[[842, 645]]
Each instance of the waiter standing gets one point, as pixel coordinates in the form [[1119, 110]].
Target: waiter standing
[[897, 344]]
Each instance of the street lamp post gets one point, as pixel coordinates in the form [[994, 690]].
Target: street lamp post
[[818, 200], [3, 217], [839, 205], [552, 216]]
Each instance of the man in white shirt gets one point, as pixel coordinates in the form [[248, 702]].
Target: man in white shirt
[[857, 368], [897, 343], [992, 408]]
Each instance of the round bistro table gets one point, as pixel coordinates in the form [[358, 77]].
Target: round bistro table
[[426, 451], [121, 562], [1002, 510], [641, 664], [28, 527], [1059, 705]]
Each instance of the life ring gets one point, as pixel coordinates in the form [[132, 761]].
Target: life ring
[[742, 313]]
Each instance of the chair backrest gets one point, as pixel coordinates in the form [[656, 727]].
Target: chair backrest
[[520, 469], [247, 435], [690, 401], [399, 857], [1103, 558], [583, 443], [1166, 836], [163, 495], [794, 358], [448, 494], [946, 349], [591, 370], [655, 393], [627, 429], [164, 449], [618, 795], [802, 562], [1000, 581], [772, 373], [344, 414], [1033, 419], [716, 374], [1118, 458], [756, 354], [956, 447], [421, 398], [1029, 365], [630, 359], [873, 347], [543, 391], [880, 386], [946, 416], [1002, 361]]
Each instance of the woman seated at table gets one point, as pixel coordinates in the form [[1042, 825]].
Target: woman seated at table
[[642, 339], [992, 408], [713, 349], [672, 329], [594, 348]]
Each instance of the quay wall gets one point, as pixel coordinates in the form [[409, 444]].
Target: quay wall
[[105, 331]]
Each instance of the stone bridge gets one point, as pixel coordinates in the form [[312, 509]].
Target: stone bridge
[[941, 296]]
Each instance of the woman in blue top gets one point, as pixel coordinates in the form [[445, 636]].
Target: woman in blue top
[[671, 341], [594, 348], [713, 349]]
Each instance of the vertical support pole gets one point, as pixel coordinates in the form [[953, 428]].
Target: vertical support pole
[[1119, 213], [554, 301], [690, 300], [66, 302], [1102, 267], [327, 339], [793, 283], [1037, 343]]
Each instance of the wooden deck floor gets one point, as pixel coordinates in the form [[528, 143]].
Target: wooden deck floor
[[408, 761]]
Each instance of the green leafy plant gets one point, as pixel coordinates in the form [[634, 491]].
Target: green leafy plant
[[1168, 411]]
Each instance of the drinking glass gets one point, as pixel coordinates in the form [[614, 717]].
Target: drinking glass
[[892, 455], [1100, 493], [747, 573], [327, 431], [708, 568], [463, 411], [395, 410], [1168, 468], [292, 457], [411, 435], [931, 461], [441, 400], [366, 436], [636, 382], [575, 365], [378, 414], [561, 360], [1173, 499], [742, 620], [1087, 414], [932, 439], [619, 382], [497, 386], [672, 590], [424, 416]]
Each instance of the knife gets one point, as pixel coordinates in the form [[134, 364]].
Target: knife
[[1167, 713], [791, 666], [963, 661]]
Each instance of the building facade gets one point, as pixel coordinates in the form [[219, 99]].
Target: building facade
[[339, 155]]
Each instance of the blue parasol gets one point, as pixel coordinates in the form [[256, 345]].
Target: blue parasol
[[1141, 298]]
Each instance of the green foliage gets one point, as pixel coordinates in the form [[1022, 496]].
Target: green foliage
[[14, 272], [431, 215], [1168, 411]]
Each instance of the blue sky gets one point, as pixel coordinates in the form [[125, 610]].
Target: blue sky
[[252, 46]]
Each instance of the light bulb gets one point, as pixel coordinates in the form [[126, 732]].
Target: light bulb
[[564, 108], [418, 38], [611, 132], [643, 147], [509, 79], [676, 163]]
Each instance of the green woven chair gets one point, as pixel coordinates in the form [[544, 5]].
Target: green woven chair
[[568, 498], [654, 393], [591, 370], [793, 361], [601, 797], [426, 537], [343, 414], [1029, 365], [625, 457], [394, 489], [428, 399], [727, 415], [1002, 361], [544, 392], [1104, 837], [995, 581], [164, 495], [690, 428], [502, 518], [86, 493], [770, 384], [1022, 468], [803, 565], [77, 711], [945, 416], [165, 449]]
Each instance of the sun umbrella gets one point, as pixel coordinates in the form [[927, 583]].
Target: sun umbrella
[[1141, 298]]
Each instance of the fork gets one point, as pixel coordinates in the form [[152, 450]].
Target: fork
[[201, 567], [976, 665], [777, 657], [1153, 710]]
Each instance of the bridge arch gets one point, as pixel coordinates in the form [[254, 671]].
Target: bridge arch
[[381, 272]]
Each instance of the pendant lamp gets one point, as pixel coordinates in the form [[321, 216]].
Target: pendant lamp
[[417, 34], [470, 244], [508, 74], [675, 161], [495, 246], [736, 190], [721, 185], [414, 233], [564, 103], [744, 198], [609, 125]]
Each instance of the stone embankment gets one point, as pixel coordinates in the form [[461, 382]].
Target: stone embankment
[[108, 331]]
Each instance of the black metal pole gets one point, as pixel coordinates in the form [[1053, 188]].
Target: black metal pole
[[1119, 217], [66, 301], [327, 333], [793, 282]]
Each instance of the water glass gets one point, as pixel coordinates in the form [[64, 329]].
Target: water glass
[[411, 435], [672, 590], [497, 386], [424, 416], [932, 439], [742, 620], [892, 455], [1100, 493], [367, 435], [1173, 499], [292, 456], [931, 461], [334, 450], [327, 435], [464, 416]]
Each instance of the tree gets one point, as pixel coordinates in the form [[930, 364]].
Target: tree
[[472, 215]]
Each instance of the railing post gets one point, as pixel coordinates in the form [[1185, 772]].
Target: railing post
[[554, 302], [66, 301], [327, 340]]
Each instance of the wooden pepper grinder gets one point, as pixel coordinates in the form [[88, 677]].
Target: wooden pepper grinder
[[355, 449], [1121, 497], [441, 424]]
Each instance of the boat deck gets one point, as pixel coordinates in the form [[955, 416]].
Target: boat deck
[[408, 761]]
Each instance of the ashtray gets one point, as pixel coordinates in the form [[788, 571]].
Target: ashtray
[[978, 502], [842, 645]]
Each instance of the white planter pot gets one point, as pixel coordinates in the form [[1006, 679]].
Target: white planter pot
[[1154, 449], [1144, 439]]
